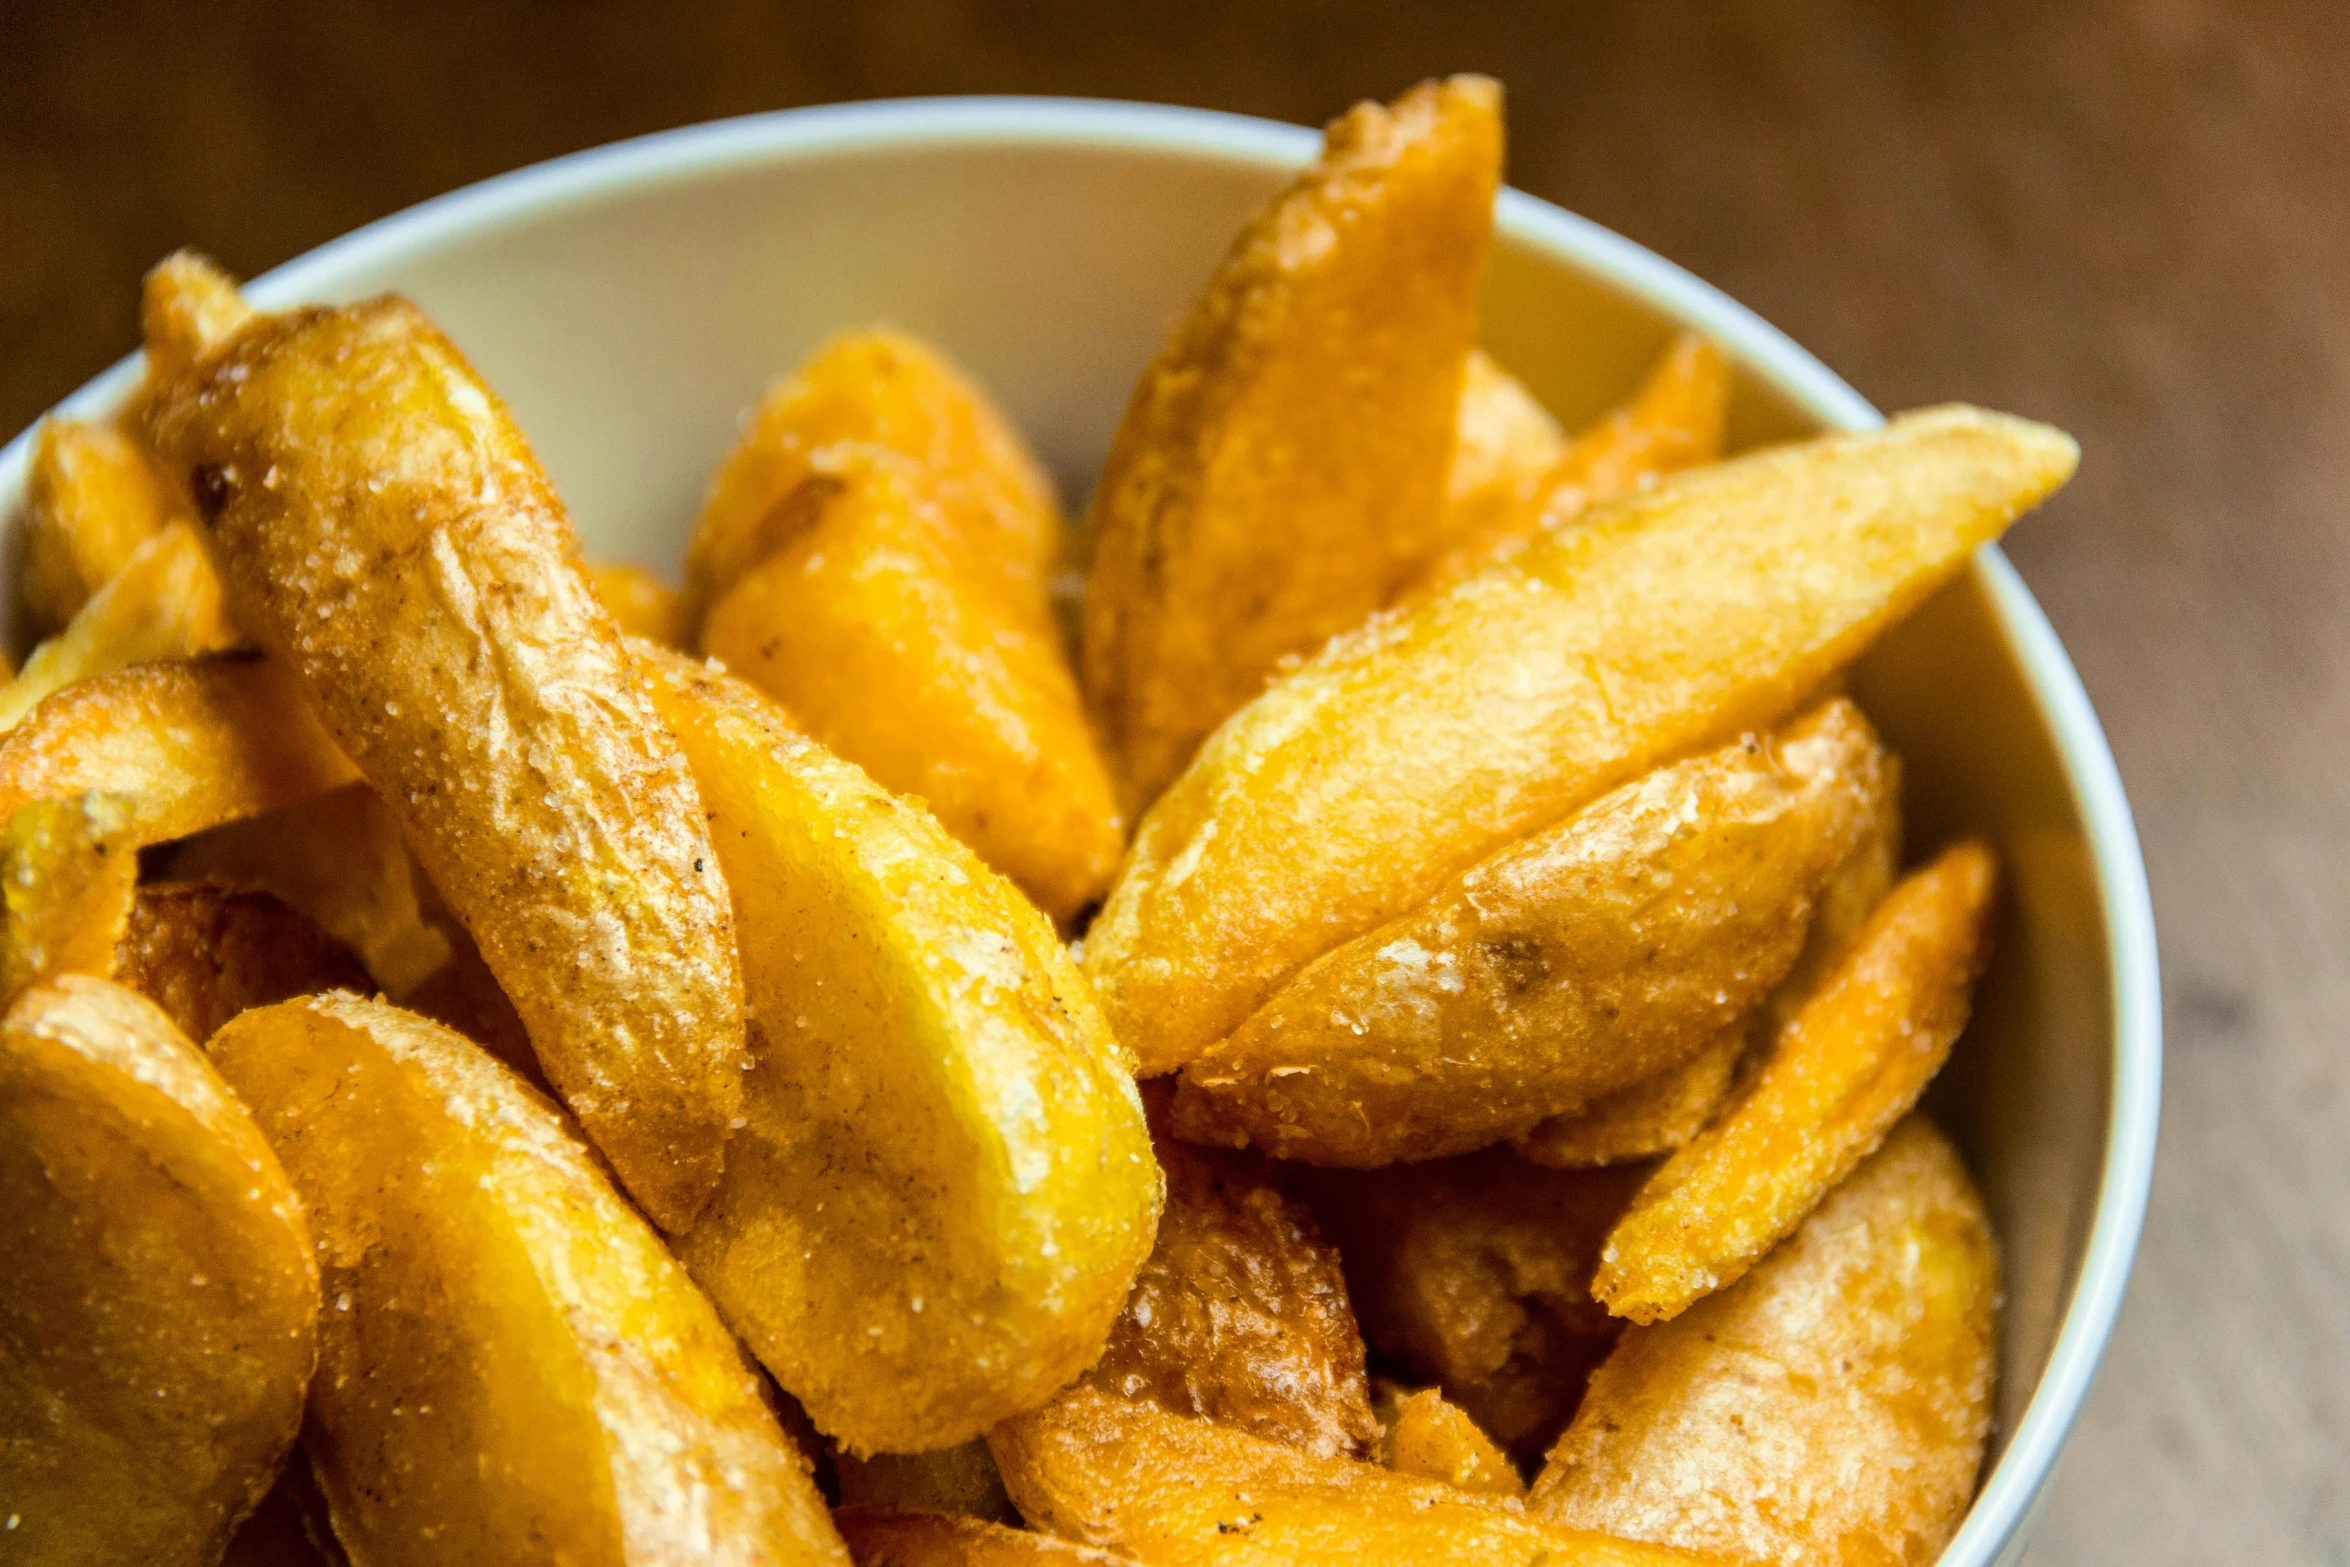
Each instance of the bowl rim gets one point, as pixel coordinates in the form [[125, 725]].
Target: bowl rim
[[2008, 1498]]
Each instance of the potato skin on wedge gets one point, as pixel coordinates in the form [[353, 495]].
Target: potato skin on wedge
[[945, 1185], [386, 532], [1571, 964], [1354, 788], [1848, 1066], [1179, 1492], [158, 1297], [204, 953], [512, 1367], [1281, 469], [880, 1537], [1829, 1407]]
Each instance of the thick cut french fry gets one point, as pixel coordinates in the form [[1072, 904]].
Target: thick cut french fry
[[184, 747], [1180, 1492], [384, 529], [1475, 1274], [1504, 442], [68, 871], [945, 1186], [1829, 1407], [1280, 471], [512, 1367], [881, 1537], [158, 1298], [959, 1480], [639, 602], [886, 389], [1675, 618], [1654, 1116], [1436, 1440], [204, 954], [165, 603], [1573, 963], [1847, 1067], [887, 643], [92, 496]]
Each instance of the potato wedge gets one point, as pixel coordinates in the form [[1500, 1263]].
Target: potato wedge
[[1175, 1492], [1851, 1064], [1504, 442], [1435, 1440], [1281, 469], [945, 1186], [1653, 1116], [204, 954], [882, 1537], [1672, 619], [165, 603], [1571, 964], [877, 631], [92, 496], [68, 870], [512, 1367], [639, 602], [1241, 1314], [158, 1298], [386, 532], [1829, 1407], [959, 1480], [886, 389], [1475, 1274], [184, 747], [1855, 889]]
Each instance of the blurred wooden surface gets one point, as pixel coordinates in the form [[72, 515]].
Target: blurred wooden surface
[[2125, 217]]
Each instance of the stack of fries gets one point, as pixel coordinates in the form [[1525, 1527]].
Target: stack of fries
[[1424, 996]]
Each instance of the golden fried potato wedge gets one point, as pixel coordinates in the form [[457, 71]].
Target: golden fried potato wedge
[[959, 1480], [883, 1537], [1854, 890], [1675, 420], [1850, 1065], [1435, 1440], [945, 1186], [1654, 1116], [512, 1366], [1571, 964], [1281, 469], [1179, 1492], [386, 532], [1241, 1314], [184, 747], [1671, 619], [1475, 1274], [877, 632], [1829, 1407], [92, 496], [165, 603], [68, 871], [639, 602], [158, 1299], [1504, 442], [204, 954], [886, 389]]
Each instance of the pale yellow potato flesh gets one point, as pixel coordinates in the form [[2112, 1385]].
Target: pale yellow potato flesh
[[886, 639], [640, 603], [945, 1185], [882, 1537], [1504, 443], [385, 531], [1672, 619], [158, 1298], [1281, 470], [1830, 1407], [1849, 1065], [1179, 1492], [1653, 1116], [92, 496], [165, 603], [887, 389], [1571, 964], [512, 1366], [68, 872], [1435, 1440], [959, 1480]]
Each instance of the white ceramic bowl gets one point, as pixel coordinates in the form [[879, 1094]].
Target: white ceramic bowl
[[630, 301]]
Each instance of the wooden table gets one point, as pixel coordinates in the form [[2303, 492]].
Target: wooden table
[[2128, 218]]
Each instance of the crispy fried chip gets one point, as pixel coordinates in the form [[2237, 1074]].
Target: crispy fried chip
[[880, 1537], [68, 870], [92, 496], [1504, 442], [1847, 1067], [204, 954], [1436, 1440], [1654, 1116]]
